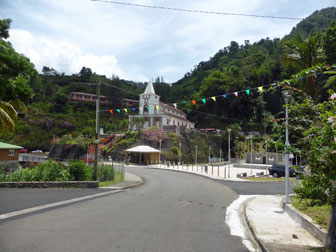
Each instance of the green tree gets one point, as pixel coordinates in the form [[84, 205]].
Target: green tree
[[329, 43], [304, 53], [60, 102], [4, 28], [318, 149], [16, 71]]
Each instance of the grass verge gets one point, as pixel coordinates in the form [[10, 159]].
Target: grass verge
[[118, 178], [320, 214], [267, 179]]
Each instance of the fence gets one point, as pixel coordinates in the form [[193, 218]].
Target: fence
[[32, 158], [216, 171]]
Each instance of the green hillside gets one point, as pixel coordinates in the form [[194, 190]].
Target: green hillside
[[233, 68]]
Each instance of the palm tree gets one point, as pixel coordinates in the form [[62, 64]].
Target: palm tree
[[302, 54], [8, 114]]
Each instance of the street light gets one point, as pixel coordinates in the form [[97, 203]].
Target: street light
[[229, 152], [180, 155], [160, 154], [250, 137], [196, 156], [209, 155], [287, 94]]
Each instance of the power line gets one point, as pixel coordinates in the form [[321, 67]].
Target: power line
[[195, 11]]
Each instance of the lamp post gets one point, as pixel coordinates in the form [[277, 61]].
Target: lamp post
[[286, 94], [251, 136], [209, 155], [180, 155], [229, 150], [196, 156], [160, 154]]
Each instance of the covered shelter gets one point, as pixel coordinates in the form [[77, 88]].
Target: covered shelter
[[144, 154]]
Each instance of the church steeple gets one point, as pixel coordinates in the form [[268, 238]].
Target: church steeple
[[149, 88]]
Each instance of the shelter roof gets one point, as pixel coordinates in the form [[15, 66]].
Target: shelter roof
[[143, 149]]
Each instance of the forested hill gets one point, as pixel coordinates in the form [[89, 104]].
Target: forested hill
[[237, 67]]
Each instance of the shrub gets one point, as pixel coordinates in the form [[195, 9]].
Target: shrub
[[175, 150], [79, 171]]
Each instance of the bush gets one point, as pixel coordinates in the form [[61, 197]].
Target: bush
[[79, 171], [47, 171], [312, 188]]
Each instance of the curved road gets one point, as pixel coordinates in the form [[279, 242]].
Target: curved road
[[170, 212]]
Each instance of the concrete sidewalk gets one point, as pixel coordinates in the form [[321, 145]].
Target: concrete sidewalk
[[274, 229], [131, 180]]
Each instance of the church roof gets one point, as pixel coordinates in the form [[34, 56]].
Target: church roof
[[149, 88]]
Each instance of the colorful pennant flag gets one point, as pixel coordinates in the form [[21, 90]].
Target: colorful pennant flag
[[157, 107], [213, 98], [175, 105], [236, 93], [148, 108], [194, 102], [203, 100], [111, 111], [118, 110], [224, 95], [260, 89], [133, 109], [125, 110], [247, 91]]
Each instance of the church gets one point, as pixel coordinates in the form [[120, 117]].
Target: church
[[159, 114]]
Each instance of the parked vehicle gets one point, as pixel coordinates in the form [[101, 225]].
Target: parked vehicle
[[37, 151], [23, 151], [278, 171]]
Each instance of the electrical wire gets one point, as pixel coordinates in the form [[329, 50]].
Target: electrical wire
[[195, 11]]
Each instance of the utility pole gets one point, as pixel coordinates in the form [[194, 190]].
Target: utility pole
[[229, 150], [209, 155], [196, 156], [95, 175]]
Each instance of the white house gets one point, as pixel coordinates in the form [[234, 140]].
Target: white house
[[159, 114]]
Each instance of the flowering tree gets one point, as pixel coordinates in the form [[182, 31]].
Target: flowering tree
[[319, 149], [154, 135]]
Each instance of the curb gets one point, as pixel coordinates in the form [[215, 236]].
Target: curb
[[134, 184], [50, 184], [306, 222], [202, 175], [251, 228]]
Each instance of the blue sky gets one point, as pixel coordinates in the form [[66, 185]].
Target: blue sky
[[139, 43]]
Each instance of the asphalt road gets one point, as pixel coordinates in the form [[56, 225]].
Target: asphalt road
[[170, 212]]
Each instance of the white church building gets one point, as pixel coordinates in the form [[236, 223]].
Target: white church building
[[159, 114]]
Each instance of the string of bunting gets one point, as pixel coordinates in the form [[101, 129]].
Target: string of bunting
[[248, 92]]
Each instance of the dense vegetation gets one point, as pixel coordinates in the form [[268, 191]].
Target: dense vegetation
[[235, 67], [53, 171]]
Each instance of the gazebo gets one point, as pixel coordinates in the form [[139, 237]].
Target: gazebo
[[145, 154]]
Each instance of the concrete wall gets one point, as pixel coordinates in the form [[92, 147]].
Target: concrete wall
[[260, 158]]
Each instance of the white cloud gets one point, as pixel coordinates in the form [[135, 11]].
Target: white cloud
[[63, 56]]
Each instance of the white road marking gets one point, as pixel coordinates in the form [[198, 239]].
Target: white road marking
[[60, 203], [233, 220]]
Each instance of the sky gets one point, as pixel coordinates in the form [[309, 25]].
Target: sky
[[140, 44]]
